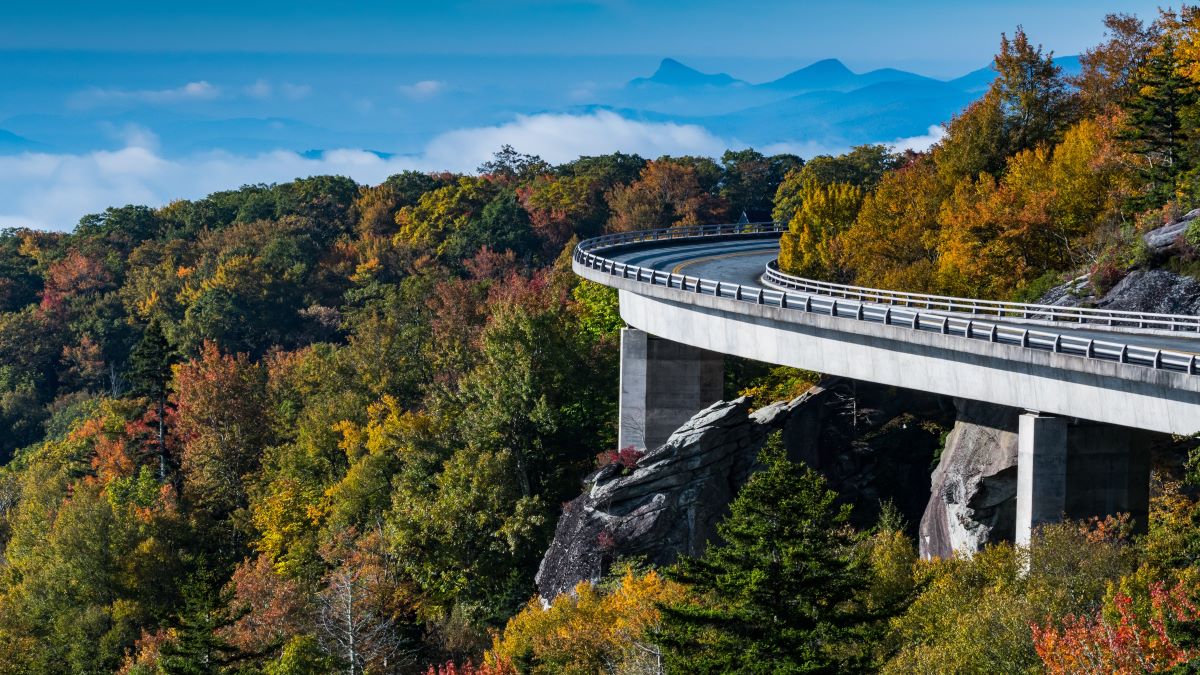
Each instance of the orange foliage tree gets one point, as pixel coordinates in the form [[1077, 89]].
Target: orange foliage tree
[[1124, 643]]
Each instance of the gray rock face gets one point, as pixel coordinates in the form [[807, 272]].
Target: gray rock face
[[1163, 239], [1158, 291], [671, 501], [973, 498]]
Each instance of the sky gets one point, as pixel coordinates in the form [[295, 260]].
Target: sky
[[938, 37], [115, 102]]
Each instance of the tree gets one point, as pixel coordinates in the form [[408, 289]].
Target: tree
[[893, 242], [197, 647], [220, 400], [150, 376], [750, 180], [509, 166], [774, 596], [594, 629], [811, 247], [863, 167], [1108, 71], [668, 192], [1155, 129], [354, 618], [1032, 94]]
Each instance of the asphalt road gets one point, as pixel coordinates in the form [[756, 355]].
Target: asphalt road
[[742, 262]]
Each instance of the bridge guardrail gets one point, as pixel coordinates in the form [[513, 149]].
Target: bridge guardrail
[[1015, 310], [823, 298]]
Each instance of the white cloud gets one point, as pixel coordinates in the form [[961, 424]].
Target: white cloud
[[264, 89], [561, 138], [920, 143], [260, 89], [423, 90], [192, 91], [294, 92], [52, 191]]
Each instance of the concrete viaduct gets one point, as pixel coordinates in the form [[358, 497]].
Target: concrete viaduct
[[692, 295]]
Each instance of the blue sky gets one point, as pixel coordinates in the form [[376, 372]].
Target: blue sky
[[937, 37], [117, 101]]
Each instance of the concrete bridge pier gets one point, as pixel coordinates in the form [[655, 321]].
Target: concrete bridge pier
[[1078, 471], [1041, 472], [663, 384]]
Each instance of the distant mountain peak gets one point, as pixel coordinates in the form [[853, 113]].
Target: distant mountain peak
[[674, 73], [827, 66]]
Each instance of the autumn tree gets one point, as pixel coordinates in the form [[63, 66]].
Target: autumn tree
[[1109, 70], [893, 242], [668, 192], [812, 246], [220, 400]]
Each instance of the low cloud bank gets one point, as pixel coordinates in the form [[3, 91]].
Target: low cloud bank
[[52, 191]]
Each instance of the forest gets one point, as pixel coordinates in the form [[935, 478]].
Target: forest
[[319, 426]]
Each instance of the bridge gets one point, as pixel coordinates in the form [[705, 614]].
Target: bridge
[[693, 294]]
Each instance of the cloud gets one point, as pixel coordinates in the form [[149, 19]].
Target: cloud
[[52, 191], [920, 143], [264, 89], [560, 138], [192, 91], [423, 90]]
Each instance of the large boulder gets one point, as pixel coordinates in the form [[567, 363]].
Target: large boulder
[[670, 502], [1166, 238], [974, 491]]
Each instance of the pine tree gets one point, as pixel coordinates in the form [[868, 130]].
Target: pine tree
[[1155, 127], [150, 375], [776, 596], [198, 648]]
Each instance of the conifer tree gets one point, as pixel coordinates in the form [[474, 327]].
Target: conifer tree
[[777, 595], [150, 375], [1155, 129]]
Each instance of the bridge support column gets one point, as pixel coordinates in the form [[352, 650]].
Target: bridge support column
[[663, 384], [1108, 472], [1041, 472]]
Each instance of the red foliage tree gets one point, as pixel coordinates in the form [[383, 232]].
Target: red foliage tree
[[1125, 644]]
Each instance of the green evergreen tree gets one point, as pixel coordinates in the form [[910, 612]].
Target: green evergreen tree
[[198, 649], [1156, 127], [150, 376], [777, 595]]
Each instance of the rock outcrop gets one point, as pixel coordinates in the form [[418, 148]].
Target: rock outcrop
[[1166, 238], [973, 496], [1141, 290], [873, 444], [670, 502]]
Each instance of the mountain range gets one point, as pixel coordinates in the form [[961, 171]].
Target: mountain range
[[824, 104], [258, 103]]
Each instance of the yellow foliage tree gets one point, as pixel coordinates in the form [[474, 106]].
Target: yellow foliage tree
[[811, 247], [894, 241], [592, 631]]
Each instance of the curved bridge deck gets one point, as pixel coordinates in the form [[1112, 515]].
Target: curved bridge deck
[[701, 287]]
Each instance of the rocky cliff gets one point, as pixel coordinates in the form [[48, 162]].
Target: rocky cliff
[[974, 488], [671, 501], [872, 443]]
